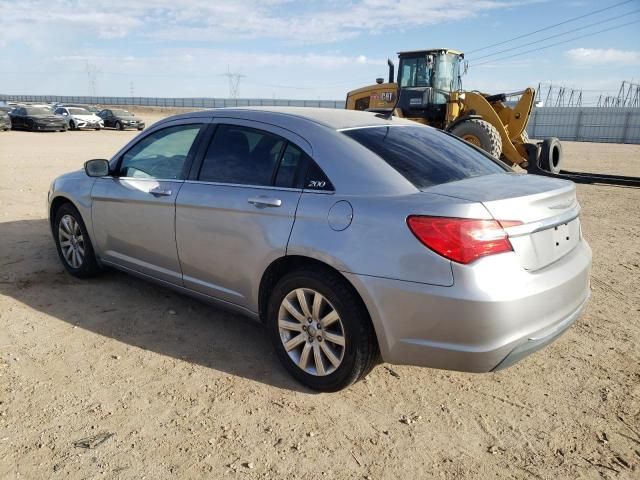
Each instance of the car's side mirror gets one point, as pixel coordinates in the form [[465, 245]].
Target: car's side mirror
[[65, 113], [97, 167]]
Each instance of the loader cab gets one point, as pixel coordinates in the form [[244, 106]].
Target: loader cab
[[425, 78]]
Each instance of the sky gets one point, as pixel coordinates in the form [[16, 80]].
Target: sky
[[306, 49]]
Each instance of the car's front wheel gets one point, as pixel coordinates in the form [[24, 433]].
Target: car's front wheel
[[118, 126], [320, 330], [73, 243]]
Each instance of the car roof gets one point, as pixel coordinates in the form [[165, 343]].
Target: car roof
[[333, 118]]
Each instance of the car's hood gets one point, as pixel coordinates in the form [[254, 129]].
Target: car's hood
[[88, 118], [43, 117], [77, 174]]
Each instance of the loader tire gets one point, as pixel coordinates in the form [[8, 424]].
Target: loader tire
[[481, 134]]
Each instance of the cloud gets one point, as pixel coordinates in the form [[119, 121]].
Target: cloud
[[597, 56], [205, 21]]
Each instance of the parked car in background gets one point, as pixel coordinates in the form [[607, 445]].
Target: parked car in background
[[79, 118], [351, 236], [36, 119], [5, 119], [120, 119], [91, 108]]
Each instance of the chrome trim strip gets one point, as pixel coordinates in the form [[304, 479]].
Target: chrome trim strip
[[533, 227], [259, 187], [346, 129]]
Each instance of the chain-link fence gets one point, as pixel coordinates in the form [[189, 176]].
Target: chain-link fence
[[174, 102], [583, 124]]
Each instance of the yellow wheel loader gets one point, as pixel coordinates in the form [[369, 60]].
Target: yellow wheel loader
[[428, 90]]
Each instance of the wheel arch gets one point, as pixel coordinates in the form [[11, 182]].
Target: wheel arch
[[56, 203], [290, 263]]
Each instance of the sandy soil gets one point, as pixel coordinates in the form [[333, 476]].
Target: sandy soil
[[159, 386]]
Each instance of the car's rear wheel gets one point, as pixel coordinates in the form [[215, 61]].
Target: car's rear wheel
[[73, 243], [320, 330]]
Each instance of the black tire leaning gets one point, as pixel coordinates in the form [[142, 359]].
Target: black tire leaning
[[89, 267], [487, 135], [361, 348], [551, 155]]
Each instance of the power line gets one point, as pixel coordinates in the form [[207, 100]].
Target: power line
[[556, 35], [573, 19], [555, 44]]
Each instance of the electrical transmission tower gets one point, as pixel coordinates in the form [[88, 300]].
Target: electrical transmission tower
[[558, 96], [92, 76], [234, 82], [628, 96]]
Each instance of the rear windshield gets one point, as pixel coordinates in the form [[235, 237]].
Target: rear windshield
[[425, 156]]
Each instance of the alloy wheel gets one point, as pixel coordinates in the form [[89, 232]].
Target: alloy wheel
[[71, 241], [311, 332]]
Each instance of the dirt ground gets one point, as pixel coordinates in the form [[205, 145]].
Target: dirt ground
[[160, 386]]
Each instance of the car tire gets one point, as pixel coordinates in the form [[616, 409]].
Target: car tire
[[68, 226], [98, 129], [551, 155], [326, 366], [481, 134], [72, 125], [118, 126], [140, 129]]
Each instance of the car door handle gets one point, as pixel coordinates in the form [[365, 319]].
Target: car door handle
[[160, 192], [265, 201]]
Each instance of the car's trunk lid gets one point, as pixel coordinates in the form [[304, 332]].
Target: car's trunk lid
[[547, 207]]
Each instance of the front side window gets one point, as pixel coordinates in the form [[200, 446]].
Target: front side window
[[242, 155], [414, 72], [426, 156], [161, 154]]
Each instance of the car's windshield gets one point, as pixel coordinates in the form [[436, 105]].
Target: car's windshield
[[79, 111], [425, 156], [122, 113], [37, 111]]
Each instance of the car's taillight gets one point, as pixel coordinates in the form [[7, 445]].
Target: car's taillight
[[462, 240]]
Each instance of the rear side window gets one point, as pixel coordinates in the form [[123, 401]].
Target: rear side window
[[425, 156], [242, 155]]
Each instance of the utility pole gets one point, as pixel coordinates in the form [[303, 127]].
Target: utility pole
[[131, 88], [234, 82]]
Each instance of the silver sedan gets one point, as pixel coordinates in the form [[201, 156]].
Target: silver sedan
[[352, 237]]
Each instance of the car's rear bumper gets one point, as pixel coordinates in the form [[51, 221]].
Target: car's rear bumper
[[495, 314]]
